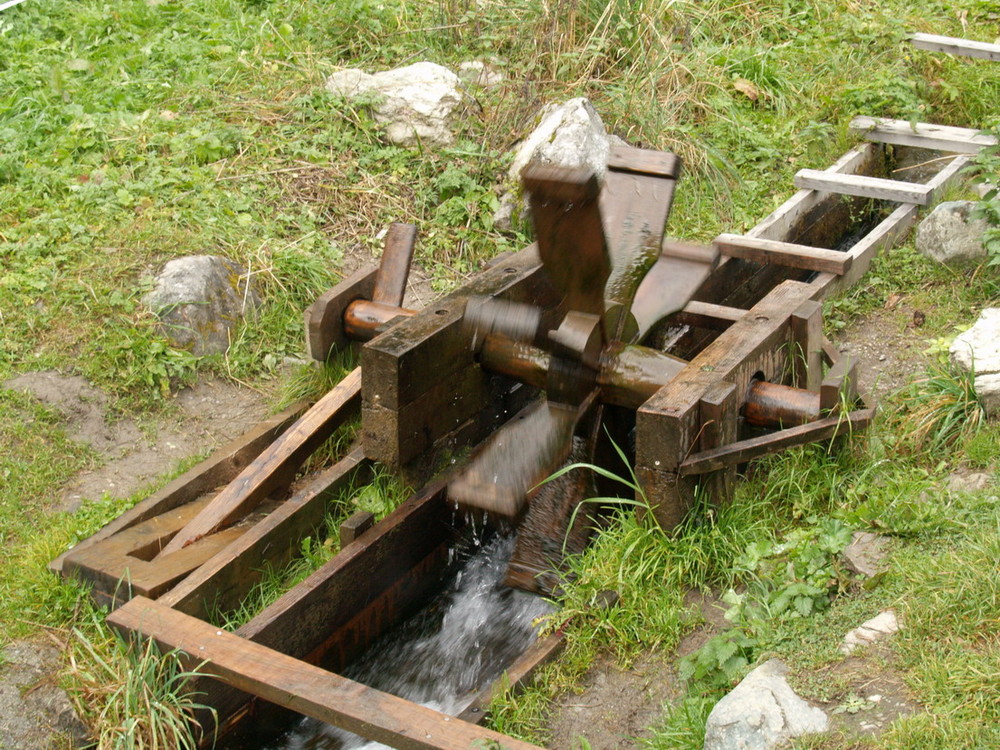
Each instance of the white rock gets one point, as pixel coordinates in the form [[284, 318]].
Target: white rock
[[865, 553], [416, 104], [950, 235], [978, 350], [479, 74], [761, 712], [569, 135], [881, 626]]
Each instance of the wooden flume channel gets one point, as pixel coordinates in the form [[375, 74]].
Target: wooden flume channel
[[166, 564]]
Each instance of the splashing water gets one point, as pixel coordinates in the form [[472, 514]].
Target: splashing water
[[464, 639]]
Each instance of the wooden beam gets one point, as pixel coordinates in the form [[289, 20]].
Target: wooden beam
[[864, 187], [301, 687], [921, 135], [747, 450], [221, 582], [956, 46], [707, 315], [786, 254], [218, 469], [276, 466]]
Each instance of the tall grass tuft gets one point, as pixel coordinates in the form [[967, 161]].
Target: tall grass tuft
[[134, 699], [941, 409]]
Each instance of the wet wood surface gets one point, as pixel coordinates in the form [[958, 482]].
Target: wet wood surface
[[304, 688]]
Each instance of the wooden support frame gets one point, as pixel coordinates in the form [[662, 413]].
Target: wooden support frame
[[686, 432], [955, 46], [309, 690]]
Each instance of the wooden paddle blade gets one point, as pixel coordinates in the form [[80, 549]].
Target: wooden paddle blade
[[518, 457], [569, 232], [671, 282]]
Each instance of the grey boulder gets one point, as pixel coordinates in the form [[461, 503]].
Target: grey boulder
[[951, 236], [762, 712], [199, 300]]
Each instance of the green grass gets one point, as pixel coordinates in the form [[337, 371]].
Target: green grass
[[139, 132]]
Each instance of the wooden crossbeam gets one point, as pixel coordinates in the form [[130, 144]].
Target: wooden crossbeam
[[955, 46], [745, 450], [303, 687], [786, 254], [921, 135], [276, 466], [864, 187]]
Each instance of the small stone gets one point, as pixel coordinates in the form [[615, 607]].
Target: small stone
[[865, 553], [975, 481], [881, 626], [762, 712], [479, 74], [951, 236]]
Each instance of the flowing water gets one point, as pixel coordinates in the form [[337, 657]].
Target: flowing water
[[443, 655]]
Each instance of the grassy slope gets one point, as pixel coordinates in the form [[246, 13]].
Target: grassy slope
[[140, 131]]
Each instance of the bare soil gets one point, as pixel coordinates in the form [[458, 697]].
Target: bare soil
[[133, 453]]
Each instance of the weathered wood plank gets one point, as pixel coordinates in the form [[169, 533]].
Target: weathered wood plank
[[707, 315], [516, 676], [324, 318], [222, 581], [787, 254], [218, 469], [747, 450], [276, 466], [394, 268], [921, 135], [955, 46], [864, 187], [302, 687]]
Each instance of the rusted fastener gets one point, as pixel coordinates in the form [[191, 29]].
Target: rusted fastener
[[359, 307]]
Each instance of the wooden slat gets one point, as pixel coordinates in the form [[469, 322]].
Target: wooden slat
[[864, 187], [516, 676], [222, 581], [707, 315], [393, 271], [309, 690], [746, 450], [921, 135], [219, 468], [780, 223], [786, 254], [955, 46], [277, 464]]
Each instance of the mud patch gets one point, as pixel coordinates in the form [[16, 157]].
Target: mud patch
[[616, 707], [888, 345], [869, 694], [32, 706], [206, 416]]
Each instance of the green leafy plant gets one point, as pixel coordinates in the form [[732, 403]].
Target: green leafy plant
[[722, 660]]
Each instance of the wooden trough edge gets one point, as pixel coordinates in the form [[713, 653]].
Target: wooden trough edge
[[301, 687]]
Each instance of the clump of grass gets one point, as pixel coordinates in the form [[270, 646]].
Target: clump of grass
[[941, 409], [134, 699]]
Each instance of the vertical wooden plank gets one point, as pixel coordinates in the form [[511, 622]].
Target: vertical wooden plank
[[719, 409], [807, 345]]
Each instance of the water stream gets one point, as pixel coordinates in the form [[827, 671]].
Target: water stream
[[464, 639]]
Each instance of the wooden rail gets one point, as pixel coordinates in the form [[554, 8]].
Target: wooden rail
[[304, 688]]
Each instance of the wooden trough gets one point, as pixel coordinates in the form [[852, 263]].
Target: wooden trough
[[198, 546]]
